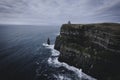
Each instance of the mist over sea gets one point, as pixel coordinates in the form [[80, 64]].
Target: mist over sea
[[24, 55]]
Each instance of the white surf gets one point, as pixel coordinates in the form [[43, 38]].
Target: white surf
[[54, 62]]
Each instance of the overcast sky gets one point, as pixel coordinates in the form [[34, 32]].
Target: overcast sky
[[52, 12]]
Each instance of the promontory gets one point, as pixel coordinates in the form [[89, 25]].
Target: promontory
[[94, 48]]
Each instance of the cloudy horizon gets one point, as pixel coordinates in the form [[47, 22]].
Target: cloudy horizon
[[44, 12]]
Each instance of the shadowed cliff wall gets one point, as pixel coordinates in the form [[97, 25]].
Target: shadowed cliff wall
[[93, 47]]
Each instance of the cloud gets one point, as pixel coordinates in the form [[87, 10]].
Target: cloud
[[59, 11]]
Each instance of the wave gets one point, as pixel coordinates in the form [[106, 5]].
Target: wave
[[62, 77], [53, 61]]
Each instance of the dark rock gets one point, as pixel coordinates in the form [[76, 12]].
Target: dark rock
[[93, 47], [48, 41]]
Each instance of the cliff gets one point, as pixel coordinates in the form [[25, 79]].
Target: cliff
[[93, 47]]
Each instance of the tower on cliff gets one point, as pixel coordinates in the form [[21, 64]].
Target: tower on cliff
[[69, 22]]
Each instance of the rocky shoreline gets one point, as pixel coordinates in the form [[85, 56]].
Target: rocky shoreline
[[93, 47]]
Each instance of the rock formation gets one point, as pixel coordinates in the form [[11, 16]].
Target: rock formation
[[93, 47], [48, 41]]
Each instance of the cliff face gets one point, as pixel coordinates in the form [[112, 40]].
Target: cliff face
[[93, 47]]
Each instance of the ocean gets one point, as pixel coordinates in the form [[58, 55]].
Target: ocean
[[24, 55]]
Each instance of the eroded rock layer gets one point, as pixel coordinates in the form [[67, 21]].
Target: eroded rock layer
[[93, 47]]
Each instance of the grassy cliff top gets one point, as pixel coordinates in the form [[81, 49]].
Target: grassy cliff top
[[112, 26]]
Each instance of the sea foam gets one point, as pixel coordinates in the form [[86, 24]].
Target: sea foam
[[54, 62]]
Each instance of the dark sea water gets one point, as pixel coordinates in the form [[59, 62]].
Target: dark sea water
[[24, 55]]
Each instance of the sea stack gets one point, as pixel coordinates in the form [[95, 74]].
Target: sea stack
[[48, 41], [95, 48]]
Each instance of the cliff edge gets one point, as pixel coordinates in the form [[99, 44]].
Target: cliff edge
[[93, 47]]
